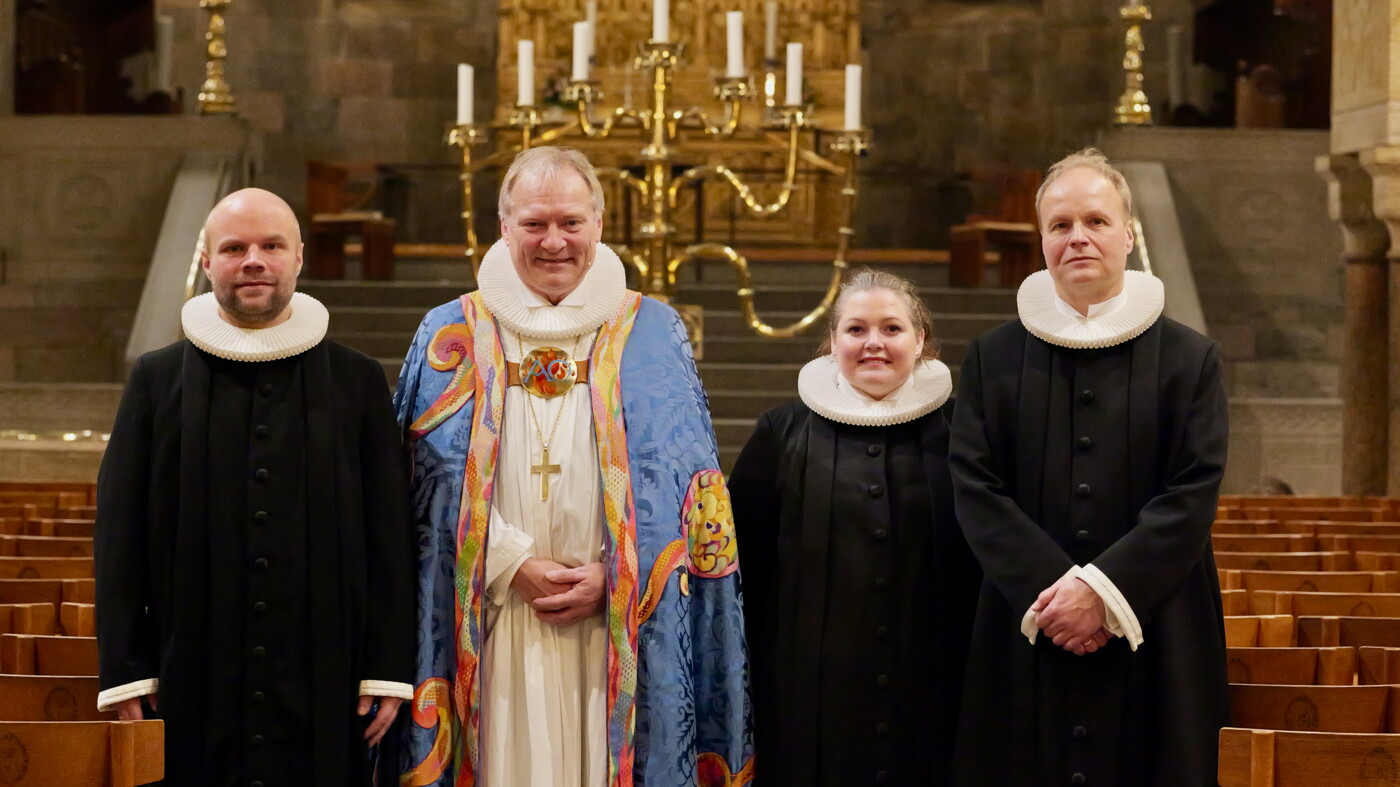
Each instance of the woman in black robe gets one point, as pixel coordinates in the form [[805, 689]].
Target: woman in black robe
[[858, 586]]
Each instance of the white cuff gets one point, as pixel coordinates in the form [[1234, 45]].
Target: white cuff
[[507, 548], [1119, 618], [116, 695], [386, 688], [1121, 621]]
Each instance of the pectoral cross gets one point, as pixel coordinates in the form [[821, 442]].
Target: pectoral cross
[[544, 468]]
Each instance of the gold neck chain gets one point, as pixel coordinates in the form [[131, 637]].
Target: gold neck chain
[[544, 468]]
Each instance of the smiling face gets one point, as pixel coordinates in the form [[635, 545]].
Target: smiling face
[[252, 256], [875, 342], [552, 231], [1086, 236]]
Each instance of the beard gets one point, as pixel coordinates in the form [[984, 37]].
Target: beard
[[249, 314]]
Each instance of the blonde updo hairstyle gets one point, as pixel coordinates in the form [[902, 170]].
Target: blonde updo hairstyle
[[865, 280]]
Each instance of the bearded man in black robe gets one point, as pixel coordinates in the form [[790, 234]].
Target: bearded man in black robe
[[255, 566], [1087, 452]]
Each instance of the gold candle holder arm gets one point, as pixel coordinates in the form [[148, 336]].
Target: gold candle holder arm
[[732, 91], [624, 177], [526, 118], [583, 95], [466, 136], [746, 194]]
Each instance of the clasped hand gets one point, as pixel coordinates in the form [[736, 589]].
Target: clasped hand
[[560, 595], [1072, 615]]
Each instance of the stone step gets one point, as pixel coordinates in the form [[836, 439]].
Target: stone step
[[51, 407]]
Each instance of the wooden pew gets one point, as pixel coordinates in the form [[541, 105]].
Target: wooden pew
[[78, 620], [1353, 632], [77, 512], [1248, 527], [1238, 542], [1284, 561], [45, 546], [1265, 758], [1312, 708], [28, 654], [1358, 605], [1260, 631], [88, 753], [67, 528], [28, 619], [1324, 514], [87, 489], [1296, 501], [45, 567], [50, 698], [1312, 581], [22, 512], [1235, 602], [45, 503], [1377, 665], [1298, 666], [1356, 542]]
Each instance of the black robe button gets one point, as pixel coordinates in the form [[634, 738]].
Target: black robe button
[[256, 740], [1078, 778], [262, 474], [260, 564], [1080, 732], [1086, 443], [260, 431], [260, 517], [1083, 490], [882, 680], [1086, 396], [880, 534], [258, 697], [873, 450], [1082, 535], [259, 651], [260, 607], [876, 490], [265, 389]]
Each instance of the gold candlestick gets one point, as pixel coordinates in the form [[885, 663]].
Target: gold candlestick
[[215, 95], [466, 136], [1133, 108], [526, 118]]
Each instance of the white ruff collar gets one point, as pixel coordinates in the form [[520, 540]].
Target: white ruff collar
[[1035, 302], [817, 385], [501, 287], [304, 329]]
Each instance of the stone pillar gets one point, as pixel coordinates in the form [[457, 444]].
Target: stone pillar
[[1365, 367], [8, 22], [1383, 165]]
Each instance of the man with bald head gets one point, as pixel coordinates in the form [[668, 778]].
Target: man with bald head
[[254, 558]]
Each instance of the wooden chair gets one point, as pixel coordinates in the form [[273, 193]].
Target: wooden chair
[[331, 223], [78, 620], [1259, 631], [45, 567], [45, 546], [28, 619], [1284, 561], [50, 698], [1353, 632], [1239, 542], [90, 753], [1265, 758], [28, 654], [1311, 708], [1359, 605], [1299, 666], [1312, 581]]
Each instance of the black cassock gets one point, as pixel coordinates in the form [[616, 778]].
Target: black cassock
[[858, 597], [1113, 457], [253, 552]]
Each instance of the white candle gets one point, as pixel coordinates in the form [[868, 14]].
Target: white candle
[[852, 98], [165, 38], [734, 26], [465, 76], [525, 79], [590, 15], [661, 20], [770, 30], [794, 75], [580, 52]]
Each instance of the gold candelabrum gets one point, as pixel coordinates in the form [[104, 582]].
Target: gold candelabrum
[[215, 95], [661, 124], [1133, 108], [466, 136]]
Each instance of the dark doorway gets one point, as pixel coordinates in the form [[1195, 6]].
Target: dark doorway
[[69, 55]]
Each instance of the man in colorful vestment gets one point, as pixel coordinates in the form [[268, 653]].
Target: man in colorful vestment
[[579, 616]]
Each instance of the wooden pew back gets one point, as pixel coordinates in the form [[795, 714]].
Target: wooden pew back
[[92, 753], [1264, 758], [50, 698], [27, 654], [1297, 666]]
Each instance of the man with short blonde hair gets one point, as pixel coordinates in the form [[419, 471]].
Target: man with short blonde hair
[[1087, 451]]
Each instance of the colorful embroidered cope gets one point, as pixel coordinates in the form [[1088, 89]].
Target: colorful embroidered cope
[[672, 557], [620, 527], [449, 351], [432, 704], [547, 372], [709, 526]]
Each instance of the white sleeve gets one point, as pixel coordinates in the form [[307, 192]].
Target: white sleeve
[[507, 547], [386, 688], [110, 698], [1119, 617]]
